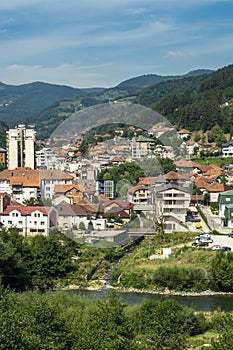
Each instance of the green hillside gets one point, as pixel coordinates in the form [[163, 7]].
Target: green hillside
[[133, 85], [20, 101], [195, 103], [196, 100]]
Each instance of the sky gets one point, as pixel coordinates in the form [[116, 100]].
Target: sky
[[100, 43]]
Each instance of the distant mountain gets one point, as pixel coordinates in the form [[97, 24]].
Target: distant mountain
[[134, 84], [197, 72], [17, 102], [188, 100]]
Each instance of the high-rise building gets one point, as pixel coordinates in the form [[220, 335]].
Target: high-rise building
[[21, 147]]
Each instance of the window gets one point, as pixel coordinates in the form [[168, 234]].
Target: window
[[9, 222], [228, 199], [20, 222], [35, 223], [42, 223]]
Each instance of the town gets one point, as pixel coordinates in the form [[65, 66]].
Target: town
[[62, 187]]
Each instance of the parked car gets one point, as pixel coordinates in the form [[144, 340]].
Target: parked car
[[192, 218], [206, 240], [230, 235], [216, 247], [226, 248], [203, 235], [200, 244]]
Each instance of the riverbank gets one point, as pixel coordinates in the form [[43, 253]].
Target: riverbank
[[104, 286]]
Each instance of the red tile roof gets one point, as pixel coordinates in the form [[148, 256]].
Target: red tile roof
[[26, 210]]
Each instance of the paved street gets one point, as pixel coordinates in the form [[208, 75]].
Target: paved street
[[214, 222]]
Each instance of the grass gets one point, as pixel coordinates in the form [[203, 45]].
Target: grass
[[220, 161], [187, 256], [196, 342]]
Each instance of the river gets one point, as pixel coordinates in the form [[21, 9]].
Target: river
[[206, 303]]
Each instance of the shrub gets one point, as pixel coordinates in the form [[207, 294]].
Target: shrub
[[180, 278]]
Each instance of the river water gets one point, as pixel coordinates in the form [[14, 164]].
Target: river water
[[206, 303]]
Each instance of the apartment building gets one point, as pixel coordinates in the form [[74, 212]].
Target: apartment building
[[171, 205], [21, 147]]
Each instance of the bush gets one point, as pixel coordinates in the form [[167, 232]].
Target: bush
[[180, 279]]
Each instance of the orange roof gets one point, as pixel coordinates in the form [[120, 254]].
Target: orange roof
[[184, 131], [137, 188], [172, 175], [103, 197], [21, 173], [147, 180], [184, 163], [67, 187], [201, 183], [216, 187]]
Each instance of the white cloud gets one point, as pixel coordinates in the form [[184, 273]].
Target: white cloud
[[64, 74]]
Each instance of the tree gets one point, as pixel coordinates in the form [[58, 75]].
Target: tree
[[81, 226], [216, 135], [13, 271], [104, 326], [222, 271], [35, 202], [48, 260], [224, 341], [207, 198]]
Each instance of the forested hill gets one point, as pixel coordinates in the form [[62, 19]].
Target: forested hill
[[194, 103], [19, 101], [132, 85]]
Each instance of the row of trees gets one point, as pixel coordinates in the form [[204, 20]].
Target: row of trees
[[66, 321]]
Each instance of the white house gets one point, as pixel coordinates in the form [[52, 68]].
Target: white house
[[227, 149], [30, 220]]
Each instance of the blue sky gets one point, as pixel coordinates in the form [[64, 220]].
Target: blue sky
[[87, 43]]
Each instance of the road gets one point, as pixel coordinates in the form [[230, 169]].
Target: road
[[214, 221]]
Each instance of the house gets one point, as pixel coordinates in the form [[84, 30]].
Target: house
[[20, 183], [190, 146], [171, 205], [227, 149], [225, 201], [30, 221], [215, 189], [71, 193], [140, 194], [24, 183], [72, 215], [122, 208], [141, 147], [183, 133], [50, 178], [184, 166], [175, 178]]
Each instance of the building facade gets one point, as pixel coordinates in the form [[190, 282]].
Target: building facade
[[30, 221], [21, 147]]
